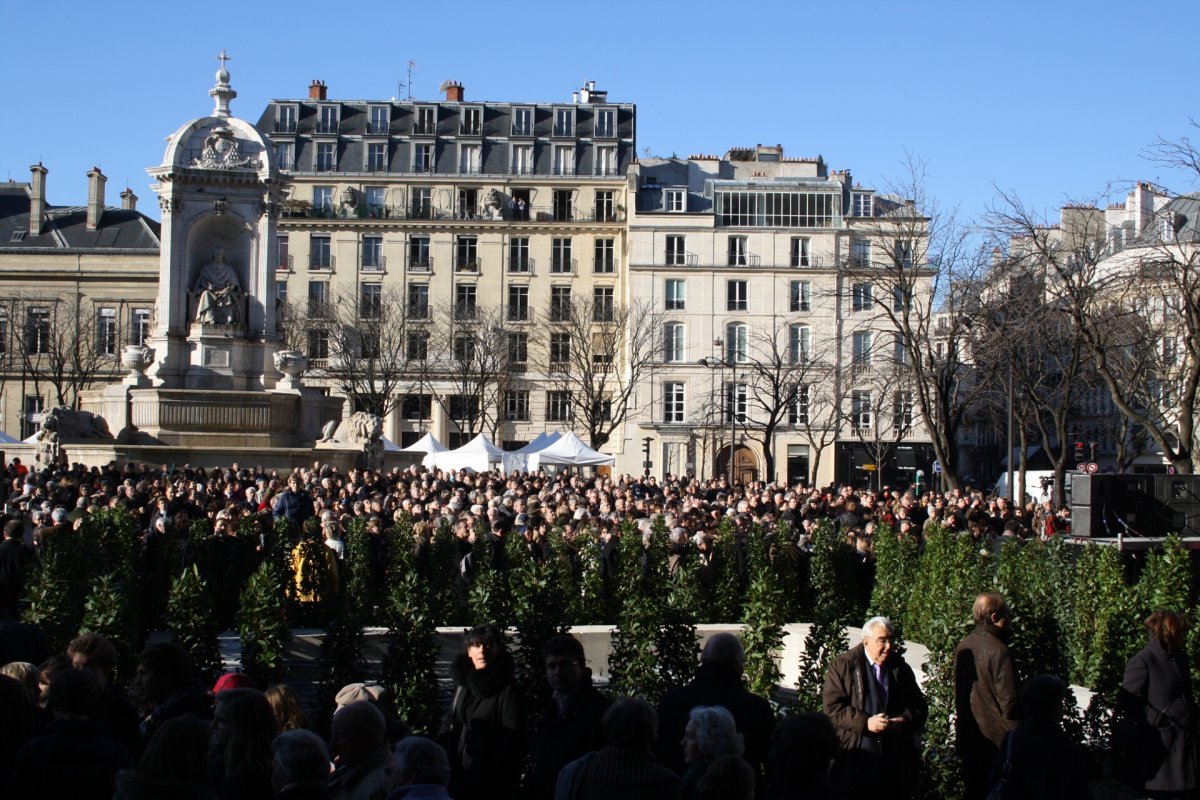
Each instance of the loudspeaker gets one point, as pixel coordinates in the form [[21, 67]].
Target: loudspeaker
[[1085, 522], [1177, 489]]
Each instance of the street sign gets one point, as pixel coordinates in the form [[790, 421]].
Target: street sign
[[1091, 468], [937, 468], [1081, 466]]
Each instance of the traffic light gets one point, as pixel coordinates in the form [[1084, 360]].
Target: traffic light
[[1079, 452]]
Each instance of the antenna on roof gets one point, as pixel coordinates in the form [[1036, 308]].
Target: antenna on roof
[[411, 66]]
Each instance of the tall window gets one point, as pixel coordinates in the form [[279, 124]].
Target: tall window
[[801, 296], [518, 254], [469, 158], [737, 342], [376, 157], [326, 156], [560, 303], [518, 349], [901, 299], [380, 120], [318, 297], [737, 401], [899, 351], [603, 304], [605, 261], [676, 200], [320, 255], [417, 345], [518, 303], [560, 350], [328, 120], [522, 122], [861, 297], [139, 328], [560, 259], [798, 408], [472, 121], [902, 411], [606, 123], [860, 204], [426, 122], [422, 158], [370, 301], [564, 159], [372, 252], [323, 199], [799, 344], [862, 348], [418, 253], [31, 420], [285, 155], [801, 256], [422, 203], [860, 253], [739, 253], [464, 347], [676, 254], [416, 406], [37, 331], [904, 254], [466, 254], [558, 407], [860, 410], [106, 331], [674, 350], [522, 159], [564, 122], [418, 301], [606, 161], [676, 292], [606, 207], [673, 401], [736, 295], [516, 405], [465, 302], [318, 343]]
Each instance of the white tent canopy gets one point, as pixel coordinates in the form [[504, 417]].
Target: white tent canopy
[[426, 444], [569, 451], [476, 455], [519, 460]]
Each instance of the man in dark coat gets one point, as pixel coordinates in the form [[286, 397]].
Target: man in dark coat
[[985, 692], [572, 718], [718, 682], [295, 504], [15, 561], [872, 698]]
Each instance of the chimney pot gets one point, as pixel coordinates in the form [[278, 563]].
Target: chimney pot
[[95, 206], [129, 200], [454, 92], [37, 199], [317, 90]]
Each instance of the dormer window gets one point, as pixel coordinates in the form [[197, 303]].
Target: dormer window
[[564, 122], [327, 122], [606, 123], [380, 121], [472, 122], [426, 123], [522, 122], [676, 200], [860, 204], [285, 119]]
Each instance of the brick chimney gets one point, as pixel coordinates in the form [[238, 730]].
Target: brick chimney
[[37, 199], [95, 204], [454, 92], [128, 200], [316, 90]]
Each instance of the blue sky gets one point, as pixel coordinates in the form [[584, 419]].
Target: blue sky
[[1054, 101]]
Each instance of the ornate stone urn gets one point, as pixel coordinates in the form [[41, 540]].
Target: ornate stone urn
[[137, 358], [292, 363]]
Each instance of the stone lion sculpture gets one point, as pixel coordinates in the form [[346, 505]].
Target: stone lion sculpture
[[361, 428], [63, 422]]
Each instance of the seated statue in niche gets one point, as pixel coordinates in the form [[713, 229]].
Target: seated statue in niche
[[220, 293]]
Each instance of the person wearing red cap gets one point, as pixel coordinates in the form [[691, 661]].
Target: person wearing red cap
[[233, 680]]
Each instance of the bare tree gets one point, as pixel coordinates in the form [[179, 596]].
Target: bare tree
[[597, 353], [922, 267], [881, 415], [369, 347], [472, 363], [64, 344]]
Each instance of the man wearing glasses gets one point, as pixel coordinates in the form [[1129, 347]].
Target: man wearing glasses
[[873, 700]]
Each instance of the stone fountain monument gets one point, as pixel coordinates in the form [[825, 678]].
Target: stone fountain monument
[[212, 386]]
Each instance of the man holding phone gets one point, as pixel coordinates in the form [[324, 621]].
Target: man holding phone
[[877, 709]]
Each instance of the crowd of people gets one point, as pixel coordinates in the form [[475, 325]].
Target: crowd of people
[[71, 731]]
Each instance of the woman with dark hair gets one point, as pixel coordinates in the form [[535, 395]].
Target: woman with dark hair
[[240, 754], [1156, 699], [484, 732]]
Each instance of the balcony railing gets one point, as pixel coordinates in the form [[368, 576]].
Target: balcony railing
[[519, 314], [419, 311], [522, 130], [321, 261], [744, 260], [605, 132], [420, 264], [681, 260], [522, 266], [604, 266], [560, 312], [808, 262], [303, 209], [326, 128], [559, 366], [465, 311], [604, 214], [423, 168], [374, 263], [284, 126], [564, 169], [563, 266], [466, 264], [378, 128], [563, 131], [470, 129], [424, 128]]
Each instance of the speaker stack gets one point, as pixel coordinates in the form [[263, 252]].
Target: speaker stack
[[1139, 505]]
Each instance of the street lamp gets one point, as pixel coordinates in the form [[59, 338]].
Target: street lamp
[[721, 363]]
